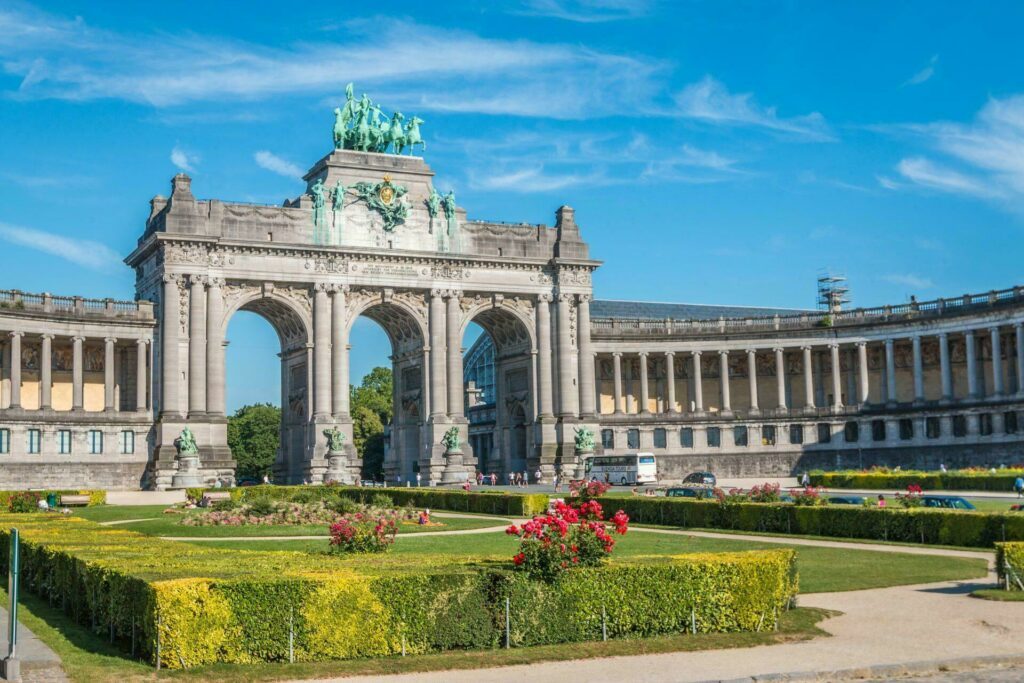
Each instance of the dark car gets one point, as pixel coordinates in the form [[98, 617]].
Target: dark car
[[705, 478], [698, 492], [846, 500], [949, 502]]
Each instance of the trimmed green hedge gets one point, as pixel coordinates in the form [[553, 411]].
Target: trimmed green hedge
[[916, 525], [1010, 565], [95, 497], [197, 605], [931, 481], [484, 502]]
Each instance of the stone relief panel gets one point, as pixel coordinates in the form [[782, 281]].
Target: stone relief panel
[[93, 357]]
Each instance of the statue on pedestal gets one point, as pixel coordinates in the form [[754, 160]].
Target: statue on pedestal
[[584, 440], [319, 201], [186, 443], [335, 440], [450, 440]]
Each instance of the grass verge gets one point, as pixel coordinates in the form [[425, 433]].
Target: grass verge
[[89, 658], [998, 595]]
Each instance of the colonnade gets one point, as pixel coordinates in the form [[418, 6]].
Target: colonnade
[[832, 387]]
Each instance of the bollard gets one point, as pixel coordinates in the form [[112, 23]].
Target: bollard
[[291, 635], [11, 669], [604, 623], [693, 620], [158, 653], [508, 625]]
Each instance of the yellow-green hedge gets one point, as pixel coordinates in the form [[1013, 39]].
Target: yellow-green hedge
[[484, 502], [1010, 565], [953, 480], [95, 497], [206, 605]]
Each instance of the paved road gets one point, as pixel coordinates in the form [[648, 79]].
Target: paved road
[[39, 664]]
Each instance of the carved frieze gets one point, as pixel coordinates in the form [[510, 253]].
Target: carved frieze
[[327, 264]]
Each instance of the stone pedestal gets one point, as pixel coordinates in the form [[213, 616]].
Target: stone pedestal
[[454, 468], [576, 470], [338, 470], [188, 475]]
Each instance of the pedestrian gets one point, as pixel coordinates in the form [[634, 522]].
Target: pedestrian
[[942, 467], [1018, 486], [494, 478], [558, 484], [266, 479], [805, 480], [510, 478], [881, 500], [418, 479], [398, 480], [526, 477], [538, 474]]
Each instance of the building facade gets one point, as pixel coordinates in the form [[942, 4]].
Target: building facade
[[101, 393]]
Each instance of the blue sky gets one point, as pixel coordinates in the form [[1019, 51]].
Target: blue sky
[[715, 152]]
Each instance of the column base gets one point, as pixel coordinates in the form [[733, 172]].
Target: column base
[[754, 411], [726, 412]]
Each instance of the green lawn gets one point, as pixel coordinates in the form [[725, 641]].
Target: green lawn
[[110, 513], [821, 569]]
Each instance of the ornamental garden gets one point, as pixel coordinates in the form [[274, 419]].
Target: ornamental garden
[[376, 574]]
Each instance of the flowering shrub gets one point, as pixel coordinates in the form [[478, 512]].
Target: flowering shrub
[[263, 512], [364, 532], [765, 493], [24, 501], [588, 490], [573, 535], [912, 498], [808, 496]]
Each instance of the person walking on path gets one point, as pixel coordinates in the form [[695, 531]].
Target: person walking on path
[[805, 480], [538, 474], [1018, 486], [418, 479]]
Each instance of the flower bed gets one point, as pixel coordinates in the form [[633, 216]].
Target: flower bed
[[196, 605], [27, 501], [885, 479]]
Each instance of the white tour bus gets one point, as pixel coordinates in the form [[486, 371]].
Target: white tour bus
[[628, 470]]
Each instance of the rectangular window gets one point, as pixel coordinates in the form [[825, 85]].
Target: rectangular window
[[608, 438], [878, 430], [128, 443], [659, 438], [63, 441], [959, 425], [906, 429], [985, 424], [796, 433], [34, 440], [932, 427], [767, 435], [824, 432], [95, 441], [714, 437], [1009, 423], [686, 437], [739, 435], [851, 432], [5, 440], [633, 438]]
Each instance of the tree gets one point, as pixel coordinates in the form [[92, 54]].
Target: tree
[[371, 410], [254, 435]]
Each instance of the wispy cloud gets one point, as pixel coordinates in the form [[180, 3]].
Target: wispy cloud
[[87, 253], [586, 11], [924, 74], [928, 174], [62, 58], [184, 160], [709, 100], [276, 164], [535, 179], [909, 280]]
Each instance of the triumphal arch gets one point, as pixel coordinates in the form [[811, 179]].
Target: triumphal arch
[[372, 235]]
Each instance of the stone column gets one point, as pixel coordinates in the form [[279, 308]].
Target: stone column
[[321, 352], [723, 380], [108, 374], [544, 379], [972, 365], [752, 380], [997, 362], [169, 356], [1019, 329], [890, 371], [567, 392], [438, 390], [587, 385], [16, 369], [339, 354], [670, 372], [197, 345], [780, 377], [698, 388], [808, 378], [862, 369], [77, 374], [141, 375], [214, 349], [46, 372], [837, 383], [619, 408], [644, 387], [918, 369], [945, 370], [454, 339], [425, 370]]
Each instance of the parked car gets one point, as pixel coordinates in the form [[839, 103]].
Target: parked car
[[846, 500], [698, 492], [951, 502], [705, 478]]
